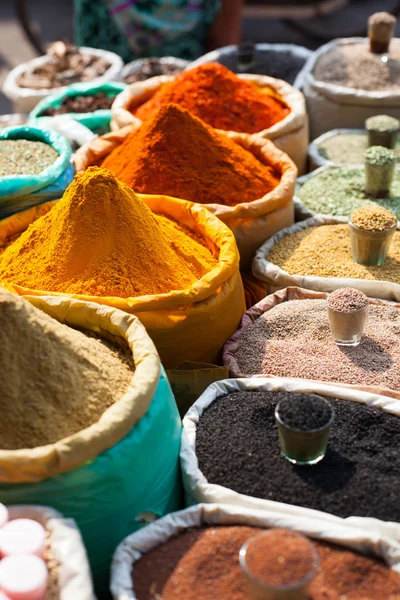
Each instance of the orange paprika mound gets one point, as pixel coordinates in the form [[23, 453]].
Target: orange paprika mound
[[100, 239], [176, 154], [220, 98]]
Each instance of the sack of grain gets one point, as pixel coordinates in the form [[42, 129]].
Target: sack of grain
[[289, 135], [251, 222], [97, 120], [270, 362], [108, 473], [239, 444], [332, 106], [69, 571], [24, 99], [283, 61], [52, 173], [347, 534], [337, 264]]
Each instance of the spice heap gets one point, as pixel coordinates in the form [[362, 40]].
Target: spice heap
[[176, 154], [80, 104], [304, 412], [325, 251], [347, 300], [340, 190], [347, 148], [102, 240], [220, 98], [67, 65], [300, 328], [58, 381], [354, 66], [152, 67], [373, 218], [203, 563], [379, 156], [280, 557], [382, 123], [237, 439], [25, 157]]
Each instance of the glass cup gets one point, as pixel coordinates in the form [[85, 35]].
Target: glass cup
[[370, 247], [378, 179], [259, 590], [306, 447], [347, 327]]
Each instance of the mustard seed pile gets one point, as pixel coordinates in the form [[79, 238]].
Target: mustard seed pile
[[55, 380], [325, 251], [347, 300], [373, 218], [293, 339]]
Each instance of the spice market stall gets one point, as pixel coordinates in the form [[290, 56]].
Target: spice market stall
[[244, 180], [249, 104], [194, 553]]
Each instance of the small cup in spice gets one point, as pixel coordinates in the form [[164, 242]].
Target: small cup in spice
[[382, 131], [304, 423], [381, 26], [347, 315], [278, 564], [371, 231], [379, 170]]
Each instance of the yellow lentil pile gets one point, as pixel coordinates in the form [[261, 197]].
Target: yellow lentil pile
[[325, 251], [373, 218]]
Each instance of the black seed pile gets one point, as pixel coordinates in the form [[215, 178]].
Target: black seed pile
[[304, 411], [237, 447]]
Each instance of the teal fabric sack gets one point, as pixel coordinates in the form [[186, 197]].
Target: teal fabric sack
[[97, 121], [18, 192], [106, 496]]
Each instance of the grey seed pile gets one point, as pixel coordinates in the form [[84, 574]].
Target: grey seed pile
[[304, 412], [25, 157], [382, 123], [347, 300], [354, 66], [347, 148], [293, 339]]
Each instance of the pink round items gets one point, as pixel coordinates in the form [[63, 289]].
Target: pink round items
[[22, 536], [23, 577]]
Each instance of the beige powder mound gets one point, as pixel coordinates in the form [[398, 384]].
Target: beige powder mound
[[55, 380]]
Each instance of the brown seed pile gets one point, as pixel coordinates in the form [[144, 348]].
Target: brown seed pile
[[347, 300], [325, 251], [373, 218], [293, 339], [80, 104], [203, 564], [55, 380], [280, 557], [354, 66]]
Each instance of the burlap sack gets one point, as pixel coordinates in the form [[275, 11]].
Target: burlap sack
[[290, 134], [251, 222]]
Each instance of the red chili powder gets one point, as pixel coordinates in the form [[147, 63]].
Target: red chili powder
[[280, 557], [203, 564], [220, 98]]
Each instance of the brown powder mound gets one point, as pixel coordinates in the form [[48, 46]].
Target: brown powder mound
[[55, 380], [220, 98], [176, 154], [102, 240], [203, 564]]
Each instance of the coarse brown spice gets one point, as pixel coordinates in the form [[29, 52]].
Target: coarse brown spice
[[373, 218], [354, 66], [56, 381], [203, 564], [300, 329], [325, 251], [25, 157], [347, 300], [280, 557]]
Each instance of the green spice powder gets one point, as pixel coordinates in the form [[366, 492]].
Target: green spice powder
[[24, 157], [340, 190], [347, 148]]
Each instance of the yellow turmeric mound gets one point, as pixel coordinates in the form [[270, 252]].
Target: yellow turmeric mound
[[102, 240]]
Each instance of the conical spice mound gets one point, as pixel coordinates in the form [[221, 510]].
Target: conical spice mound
[[102, 240]]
